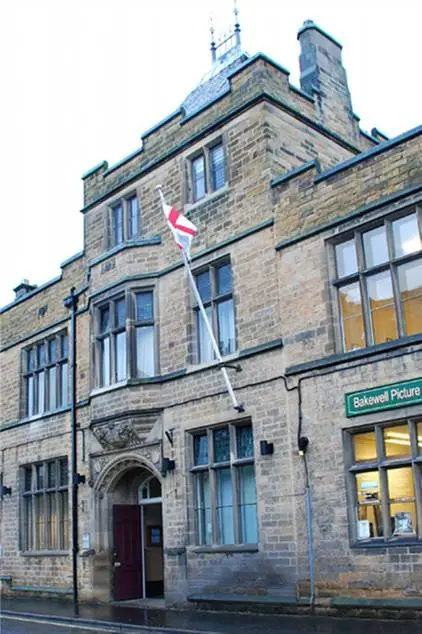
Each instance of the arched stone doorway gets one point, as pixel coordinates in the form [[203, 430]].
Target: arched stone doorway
[[130, 528]]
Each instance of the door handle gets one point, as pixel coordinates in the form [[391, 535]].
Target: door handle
[[117, 564]]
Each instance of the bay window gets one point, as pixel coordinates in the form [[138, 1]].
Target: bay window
[[125, 339]]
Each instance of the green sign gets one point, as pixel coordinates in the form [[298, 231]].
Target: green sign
[[384, 397]]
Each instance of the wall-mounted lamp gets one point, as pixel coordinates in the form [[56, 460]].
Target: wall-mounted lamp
[[6, 490], [267, 448], [303, 443], [167, 465]]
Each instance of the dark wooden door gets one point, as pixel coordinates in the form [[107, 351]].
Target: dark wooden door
[[127, 552]]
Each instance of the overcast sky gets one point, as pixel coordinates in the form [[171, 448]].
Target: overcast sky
[[81, 81]]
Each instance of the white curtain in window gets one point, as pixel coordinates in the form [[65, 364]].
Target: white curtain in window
[[206, 352], [226, 327], [105, 361], [145, 351], [247, 505], [120, 356], [225, 506]]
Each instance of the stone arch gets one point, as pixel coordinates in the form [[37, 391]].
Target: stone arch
[[116, 468]]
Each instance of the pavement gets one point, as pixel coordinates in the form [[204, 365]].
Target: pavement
[[134, 618]]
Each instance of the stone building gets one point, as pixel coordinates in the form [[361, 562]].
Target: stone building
[[309, 264]]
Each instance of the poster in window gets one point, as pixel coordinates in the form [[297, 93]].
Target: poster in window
[[154, 534], [403, 524]]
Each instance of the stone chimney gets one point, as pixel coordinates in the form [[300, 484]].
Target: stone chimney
[[23, 289], [323, 76]]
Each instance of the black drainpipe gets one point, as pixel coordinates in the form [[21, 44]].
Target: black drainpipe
[[71, 302]]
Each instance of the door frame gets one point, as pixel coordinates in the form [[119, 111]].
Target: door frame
[[142, 503]]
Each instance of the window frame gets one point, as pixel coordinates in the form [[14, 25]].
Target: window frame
[[213, 302], [45, 368], [130, 329], [212, 467], [127, 234], [210, 180], [365, 273], [55, 496], [382, 465]]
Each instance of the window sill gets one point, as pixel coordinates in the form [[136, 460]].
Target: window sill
[[191, 207], [226, 548], [44, 553], [32, 419], [376, 545], [361, 353]]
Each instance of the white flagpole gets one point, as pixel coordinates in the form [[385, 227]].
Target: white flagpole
[[236, 405]]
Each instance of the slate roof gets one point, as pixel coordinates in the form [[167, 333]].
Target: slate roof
[[215, 83]]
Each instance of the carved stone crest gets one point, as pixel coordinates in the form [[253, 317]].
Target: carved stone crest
[[116, 435]]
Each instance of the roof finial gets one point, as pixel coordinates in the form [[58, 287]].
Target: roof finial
[[213, 46], [236, 23]]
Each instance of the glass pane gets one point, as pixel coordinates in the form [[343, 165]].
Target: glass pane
[[39, 471], [419, 433], [52, 350], [64, 476], [244, 441], [104, 319], [52, 388], [63, 505], [203, 284], [118, 224], [352, 317], [364, 446], [217, 166], [40, 543], [51, 521], [105, 361], [133, 223], [41, 355], [205, 347], [224, 279], [63, 384], [200, 449], [30, 396], [51, 475], [381, 304], [226, 332], [247, 505], [120, 356], [402, 501], [145, 357], [369, 517], [406, 236], [203, 508], [198, 178], [221, 444], [154, 488], [63, 346], [375, 246], [346, 258], [120, 313], [41, 392], [31, 359], [410, 283], [224, 495], [397, 441], [28, 537], [27, 480], [144, 307]]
